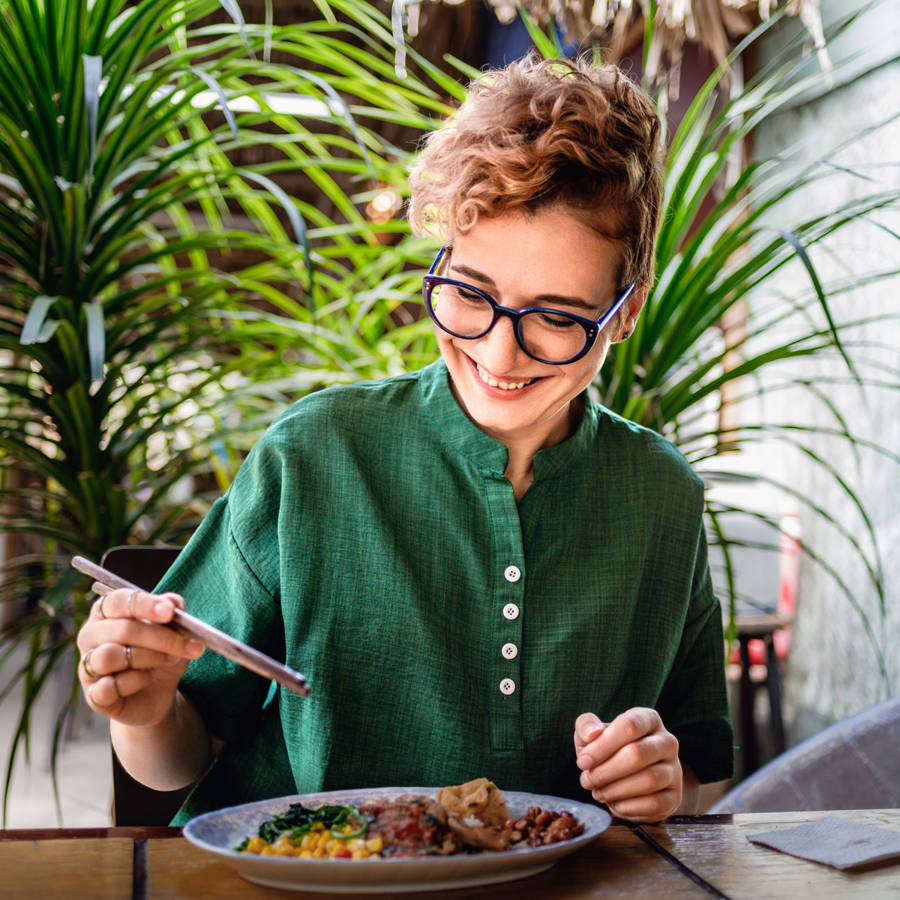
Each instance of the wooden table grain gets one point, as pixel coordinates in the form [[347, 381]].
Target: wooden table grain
[[681, 858], [740, 869]]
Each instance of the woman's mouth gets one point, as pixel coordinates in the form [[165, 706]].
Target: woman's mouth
[[489, 379]]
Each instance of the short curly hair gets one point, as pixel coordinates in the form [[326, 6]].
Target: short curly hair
[[548, 133]]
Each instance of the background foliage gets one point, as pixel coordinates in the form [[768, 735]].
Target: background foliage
[[161, 296]]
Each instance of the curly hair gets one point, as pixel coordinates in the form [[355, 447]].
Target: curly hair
[[547, 133]]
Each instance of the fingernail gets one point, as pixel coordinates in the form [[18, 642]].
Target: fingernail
[[584, 761], [195, 648]]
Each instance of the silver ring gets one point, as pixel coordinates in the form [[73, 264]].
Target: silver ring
[[131, 599], [98, 604], [86, 662], [129, 656]]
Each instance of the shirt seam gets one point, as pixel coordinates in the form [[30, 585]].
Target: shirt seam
[[246, 562]]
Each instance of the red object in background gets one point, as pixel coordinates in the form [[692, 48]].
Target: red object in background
[[788, 577]]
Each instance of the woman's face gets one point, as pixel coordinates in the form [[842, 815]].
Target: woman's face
[[547, 259]]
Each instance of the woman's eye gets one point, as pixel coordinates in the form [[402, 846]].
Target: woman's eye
[[560, 322], [470, 296]]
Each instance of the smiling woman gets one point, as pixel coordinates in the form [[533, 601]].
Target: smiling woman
[[525, 402], [480, 570]]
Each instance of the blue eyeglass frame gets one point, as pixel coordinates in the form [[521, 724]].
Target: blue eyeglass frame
[[591, 327]]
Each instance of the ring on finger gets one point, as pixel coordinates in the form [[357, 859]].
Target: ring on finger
[[86, 662], [98, 605], [129, 656], [131, 598]]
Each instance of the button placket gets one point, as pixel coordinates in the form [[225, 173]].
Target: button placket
[[506, 614], [510, 651]]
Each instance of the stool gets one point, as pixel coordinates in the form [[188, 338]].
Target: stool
[[760, 626]]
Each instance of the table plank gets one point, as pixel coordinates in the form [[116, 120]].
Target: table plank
[[724, 857], [97, 867], [617, 864]]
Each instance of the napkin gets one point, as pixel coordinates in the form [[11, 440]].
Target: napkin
[[834, 841]]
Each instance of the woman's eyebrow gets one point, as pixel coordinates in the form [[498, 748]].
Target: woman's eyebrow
[[539, 299]]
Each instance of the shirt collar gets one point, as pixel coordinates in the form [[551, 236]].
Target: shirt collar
[[468, 439]]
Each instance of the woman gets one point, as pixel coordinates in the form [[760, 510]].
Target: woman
[[474, 562]]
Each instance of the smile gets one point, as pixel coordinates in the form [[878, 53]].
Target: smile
[[503, 385]]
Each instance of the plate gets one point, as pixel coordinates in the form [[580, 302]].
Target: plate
[[219, 832]]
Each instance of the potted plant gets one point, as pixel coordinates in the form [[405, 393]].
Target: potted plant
[[161, 295]]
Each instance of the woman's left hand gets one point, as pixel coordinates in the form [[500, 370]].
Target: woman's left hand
[[631, 764]]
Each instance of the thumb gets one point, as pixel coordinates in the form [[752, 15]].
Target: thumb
[[588, 727]]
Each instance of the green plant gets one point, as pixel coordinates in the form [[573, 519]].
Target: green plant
[[717, 247], [161, 296]]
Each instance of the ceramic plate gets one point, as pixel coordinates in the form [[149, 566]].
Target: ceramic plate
[[219, 832]]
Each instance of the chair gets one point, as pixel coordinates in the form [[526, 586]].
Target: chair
[[853, 764], [133, 802]]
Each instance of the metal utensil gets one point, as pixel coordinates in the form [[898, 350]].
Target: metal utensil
[[215, 640]]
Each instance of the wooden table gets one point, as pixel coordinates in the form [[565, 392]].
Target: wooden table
[[685, 857]]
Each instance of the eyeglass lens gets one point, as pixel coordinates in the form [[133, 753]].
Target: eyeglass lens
[[544, 335]]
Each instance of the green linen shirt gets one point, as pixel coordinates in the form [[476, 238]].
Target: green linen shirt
[[371, 541]]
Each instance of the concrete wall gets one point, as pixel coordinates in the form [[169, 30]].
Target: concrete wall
[[834, 668]]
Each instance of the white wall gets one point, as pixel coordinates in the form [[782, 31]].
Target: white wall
[[833, 669]]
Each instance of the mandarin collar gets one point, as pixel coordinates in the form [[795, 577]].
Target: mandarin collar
[[458, 430]]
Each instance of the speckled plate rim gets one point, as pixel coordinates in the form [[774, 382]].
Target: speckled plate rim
[[219, 832]]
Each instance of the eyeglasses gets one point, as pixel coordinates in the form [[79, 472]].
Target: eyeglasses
[[550, 336]]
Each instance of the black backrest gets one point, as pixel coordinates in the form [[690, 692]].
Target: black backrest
[[133, 802]]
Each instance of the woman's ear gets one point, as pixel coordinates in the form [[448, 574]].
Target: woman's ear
[[630, 312]]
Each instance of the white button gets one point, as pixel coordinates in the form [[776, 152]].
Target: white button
[[512, 573], [507, 686], [509, 651], [510, 611]]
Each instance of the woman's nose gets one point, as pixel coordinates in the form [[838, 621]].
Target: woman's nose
[[500, 352]]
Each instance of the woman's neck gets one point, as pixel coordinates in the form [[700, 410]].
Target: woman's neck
[[520, 461]]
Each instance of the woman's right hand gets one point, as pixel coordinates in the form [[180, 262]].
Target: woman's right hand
[[130, 664]]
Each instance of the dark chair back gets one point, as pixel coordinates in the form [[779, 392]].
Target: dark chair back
[[133, 802], [853, 764]]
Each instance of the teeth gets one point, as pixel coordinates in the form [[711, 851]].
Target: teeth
[[503, 385]]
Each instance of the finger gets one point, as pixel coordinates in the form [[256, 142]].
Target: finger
[[659, 747], [626, 728], [97, 612], [112, 658], [657, 777], [109, 694], [87, 666], [104, 697], [588, 727], [123, 603], [650, 808]]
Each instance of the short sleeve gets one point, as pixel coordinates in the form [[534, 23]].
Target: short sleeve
[[694, 701], [212, 573]]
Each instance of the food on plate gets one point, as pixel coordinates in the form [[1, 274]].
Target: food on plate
[[337, 832], [464, 819], [479, 799]]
